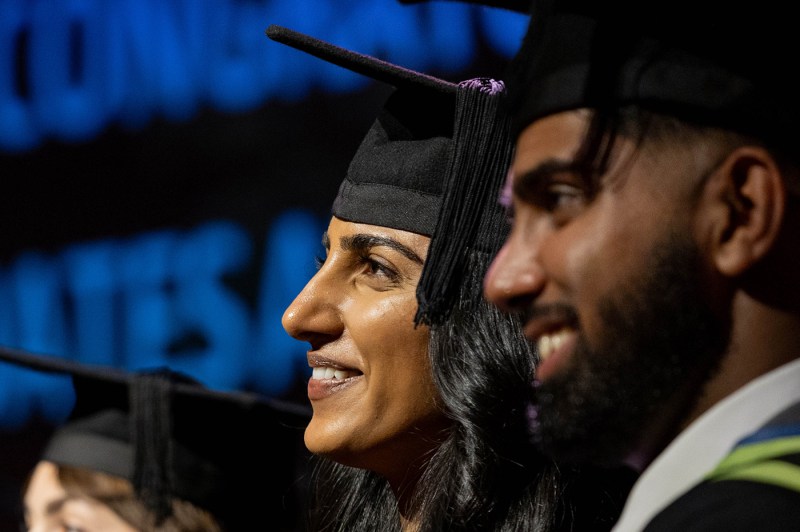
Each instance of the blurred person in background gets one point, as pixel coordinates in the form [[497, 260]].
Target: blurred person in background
[[157, 451]]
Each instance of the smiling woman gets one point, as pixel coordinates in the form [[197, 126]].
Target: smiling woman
[[371, 386], [418, 386]]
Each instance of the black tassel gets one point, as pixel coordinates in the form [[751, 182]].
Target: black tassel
[[470, 216], [151, 420]]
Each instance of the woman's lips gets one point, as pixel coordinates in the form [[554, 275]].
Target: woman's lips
[[329, 376], [320, 388]]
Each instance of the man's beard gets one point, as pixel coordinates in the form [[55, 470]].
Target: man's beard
[[661, 341]]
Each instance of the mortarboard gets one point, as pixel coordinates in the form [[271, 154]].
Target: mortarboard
[[711, 62], [432, 163], [233, 454]]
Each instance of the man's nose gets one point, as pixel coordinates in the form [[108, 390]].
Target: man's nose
[[515, 277]]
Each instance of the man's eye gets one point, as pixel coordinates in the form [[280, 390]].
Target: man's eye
[[319, 261], [561, 197]]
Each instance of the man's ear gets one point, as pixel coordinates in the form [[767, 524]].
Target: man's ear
[[746, 202]]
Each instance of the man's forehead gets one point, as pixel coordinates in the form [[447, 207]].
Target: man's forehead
[[557, 144], [558, 136]]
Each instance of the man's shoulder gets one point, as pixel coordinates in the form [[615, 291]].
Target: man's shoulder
[[731, 505], [755, 487]]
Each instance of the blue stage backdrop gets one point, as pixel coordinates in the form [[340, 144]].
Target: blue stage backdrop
[[167, 173]]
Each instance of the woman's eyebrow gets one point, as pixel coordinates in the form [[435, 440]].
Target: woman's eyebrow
[[363, 242]]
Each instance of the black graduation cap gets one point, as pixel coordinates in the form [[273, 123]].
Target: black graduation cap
[[432, 163], [230, 453], [714, 62]]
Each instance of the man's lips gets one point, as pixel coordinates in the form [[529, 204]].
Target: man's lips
[[555, 350], [552, 329]]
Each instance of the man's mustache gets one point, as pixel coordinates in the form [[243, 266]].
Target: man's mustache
[[560, 312]]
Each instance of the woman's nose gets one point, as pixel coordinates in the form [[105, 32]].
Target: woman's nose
[[313, 314]]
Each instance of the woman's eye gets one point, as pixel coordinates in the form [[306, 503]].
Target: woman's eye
[[319, 261], [379, 269]]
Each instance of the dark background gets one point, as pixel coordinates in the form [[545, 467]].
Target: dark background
[[244, 166]]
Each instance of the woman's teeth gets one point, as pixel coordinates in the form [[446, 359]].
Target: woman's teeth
[[330, 373]]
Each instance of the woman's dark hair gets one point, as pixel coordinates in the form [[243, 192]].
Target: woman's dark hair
[[486, 475]]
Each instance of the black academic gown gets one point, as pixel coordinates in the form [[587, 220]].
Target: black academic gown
[[755, 488]]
